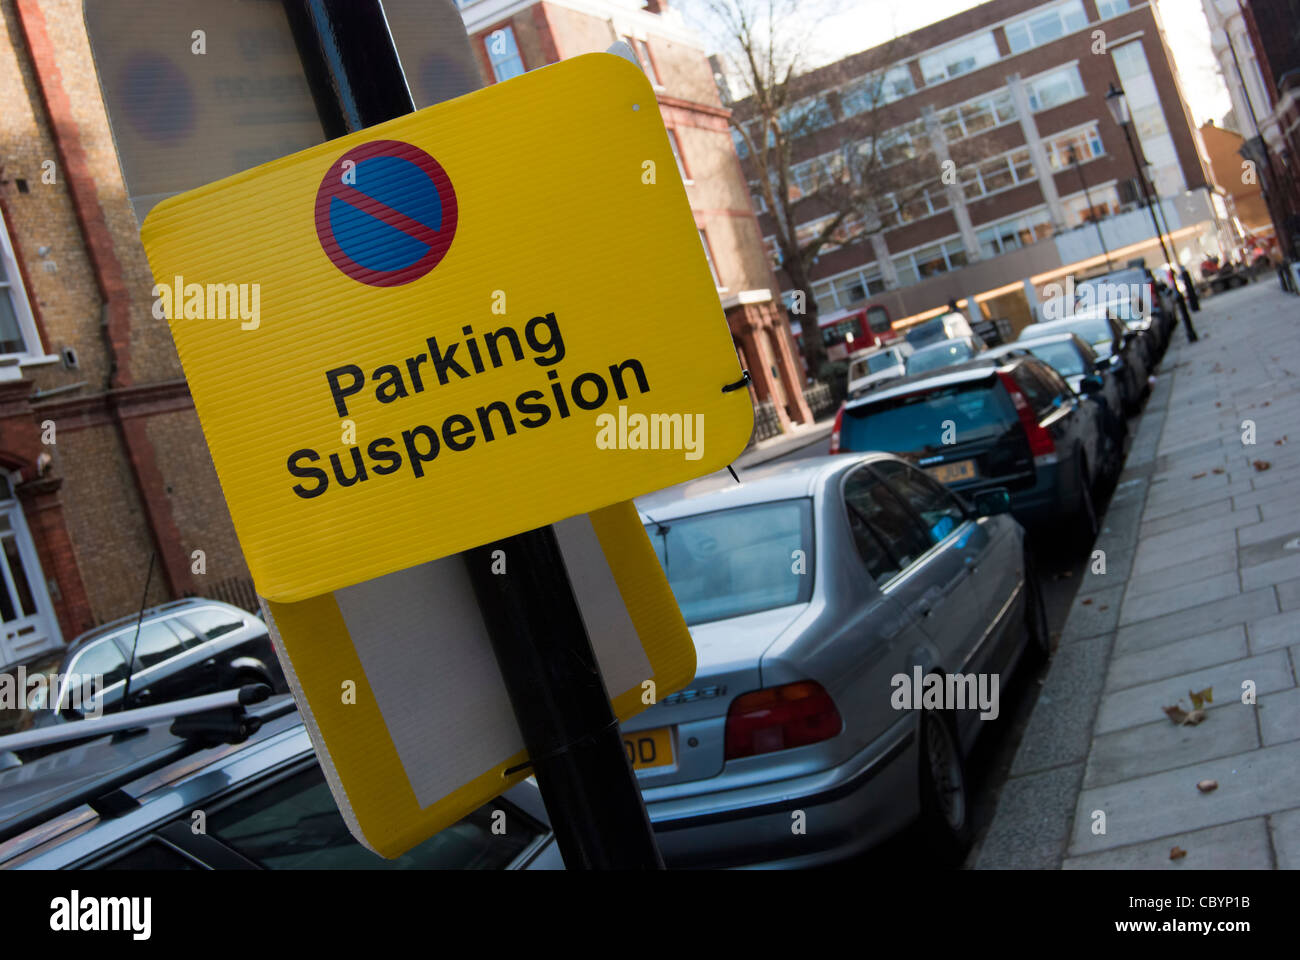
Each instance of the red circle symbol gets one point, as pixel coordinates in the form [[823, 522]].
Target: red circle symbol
[[385, 213]]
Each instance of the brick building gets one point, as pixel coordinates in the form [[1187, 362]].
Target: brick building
[[1006, 90], [512, 36], [1223, 150], [1257, 45], [102, 460]]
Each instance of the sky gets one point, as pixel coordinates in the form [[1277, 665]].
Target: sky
[[860, 24]]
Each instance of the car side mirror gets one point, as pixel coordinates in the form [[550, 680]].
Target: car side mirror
[[990, 503], [1091, 384]]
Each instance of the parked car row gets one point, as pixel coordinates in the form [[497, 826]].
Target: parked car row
[[1044, 418]]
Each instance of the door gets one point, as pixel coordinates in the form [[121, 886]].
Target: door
[[27, 622], [927, 572]]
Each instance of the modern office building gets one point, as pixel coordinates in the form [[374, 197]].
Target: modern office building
[[511, 36], [1006, 90]]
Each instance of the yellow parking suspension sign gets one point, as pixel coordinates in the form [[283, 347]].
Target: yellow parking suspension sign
[[465, 323]]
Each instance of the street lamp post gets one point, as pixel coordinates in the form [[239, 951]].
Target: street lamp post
[[1074, 162], [1117, 103]]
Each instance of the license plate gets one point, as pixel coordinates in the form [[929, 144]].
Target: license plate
[[649, 748], [952, 472]]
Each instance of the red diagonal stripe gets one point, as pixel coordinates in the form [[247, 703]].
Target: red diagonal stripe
[[386, 214]]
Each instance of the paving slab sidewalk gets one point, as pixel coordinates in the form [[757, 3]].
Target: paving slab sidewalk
[[1201, 588]]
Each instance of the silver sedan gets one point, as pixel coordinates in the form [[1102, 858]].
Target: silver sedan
[[828, 600]]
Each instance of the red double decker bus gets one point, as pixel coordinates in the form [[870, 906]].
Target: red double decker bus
[[854, 332]]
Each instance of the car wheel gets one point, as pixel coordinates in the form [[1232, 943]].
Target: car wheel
[[945, 803], [1085, 521], [1038, 638]]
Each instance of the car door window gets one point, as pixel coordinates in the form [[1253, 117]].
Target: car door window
[[102, 658], [1037, 393], [189, 639], [294, 824], [1055, 382], [214, 621], [156, 644], [889, 537], [939, 510]]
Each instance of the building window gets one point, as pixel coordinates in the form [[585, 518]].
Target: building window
[[930, 261], [708, 255], [875, 90], [816, 174], [1105, 203], [17, 326], [1045, 26], [647, 63], [1111, 8], [1149, 118], [1055, 88], [997, 174], [503, 53], [756, 198], [773, 252], [738, 140], [677, 154], [978, 116], [1086, 143], [1014, 232], [805, 117], [959, 58]]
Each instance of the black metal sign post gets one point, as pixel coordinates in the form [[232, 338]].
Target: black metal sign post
[[537, 631]]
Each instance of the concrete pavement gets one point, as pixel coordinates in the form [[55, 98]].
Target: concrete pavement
[[1201, 588]]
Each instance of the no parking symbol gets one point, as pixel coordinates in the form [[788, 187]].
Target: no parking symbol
[[386, 213]]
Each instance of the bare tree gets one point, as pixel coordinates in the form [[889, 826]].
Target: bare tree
[[870, 165]]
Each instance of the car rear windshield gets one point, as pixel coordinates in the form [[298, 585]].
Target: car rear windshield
[[940, 355], [1063, 356], [730, 563], [916, 422]]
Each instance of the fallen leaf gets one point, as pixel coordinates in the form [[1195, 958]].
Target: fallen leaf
[[1177, 853], [1197, 476], [1206, 786], [1087, 600], [1202, 698], [1104, 606], [1217, 404], [1175, 713], [1265, 403], [1193, 718], [1261, 465], [1217, 470]]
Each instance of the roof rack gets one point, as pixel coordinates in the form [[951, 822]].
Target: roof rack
[[197, 723]]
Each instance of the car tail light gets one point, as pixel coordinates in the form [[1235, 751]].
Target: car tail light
[[778, 718], [1041, 443], [835, 430]]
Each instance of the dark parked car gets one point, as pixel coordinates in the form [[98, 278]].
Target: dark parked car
[[1088, 376], [185, 648], [1113, 343], [1013, 424]]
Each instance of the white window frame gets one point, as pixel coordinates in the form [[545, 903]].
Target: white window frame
[[1038, 13], [983, 37], [18, 298], [1082, 90]]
